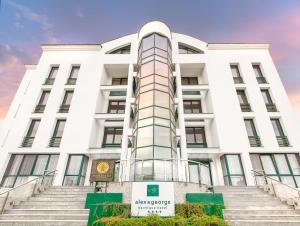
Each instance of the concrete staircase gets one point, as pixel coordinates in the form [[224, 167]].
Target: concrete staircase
[[55, 206], [252, 206]]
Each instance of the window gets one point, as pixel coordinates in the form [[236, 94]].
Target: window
[[52, 75], [40, 108], [123, 50], [268, 100], [195, 137], [65, 106], [116, 82], [73, 75], [233, 170], [236, 74], [252, 134], [189, 80], [183, 49], [282, 167], [259, 76], [245, 106], [192, 106], [21, 167], [58, 132], [116, 107], [281, 138], [75, 171], [199, 172], [112, 137], [33, 127]]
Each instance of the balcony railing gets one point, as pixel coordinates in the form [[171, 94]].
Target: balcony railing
[[64, 108], [71, 81], [197, 145], [49, 81], [117, 145], [245, 107], [254, 141], [55, 142], [283, 141], [238, 80], [39, 108], [271, 107], [27, 142], [261, 80]]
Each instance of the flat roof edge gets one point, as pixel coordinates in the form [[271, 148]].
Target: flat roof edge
[[235, 46], [71, 47]]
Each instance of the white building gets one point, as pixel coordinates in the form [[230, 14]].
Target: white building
[[165, 106]]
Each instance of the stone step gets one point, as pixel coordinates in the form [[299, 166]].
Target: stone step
[[54, 203], [44, 217], [64, 193], [47, 211], [256, 195], [43, 222], [263, 222], [261, 217], [260, 211], [70, 189], [60, 195], [255, 207], [57, 199], [251, 198], [62, 207], [252, 202]]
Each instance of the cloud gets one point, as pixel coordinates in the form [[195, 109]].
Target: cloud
[[295, 100], [30, 15], [11, 73]]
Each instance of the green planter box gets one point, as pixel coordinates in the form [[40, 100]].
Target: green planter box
[[96, 201], [213, 202]]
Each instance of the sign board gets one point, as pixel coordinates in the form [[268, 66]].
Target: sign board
[[152, 198], [102, 170]]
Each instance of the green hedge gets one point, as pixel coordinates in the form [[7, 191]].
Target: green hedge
[[186, 214]]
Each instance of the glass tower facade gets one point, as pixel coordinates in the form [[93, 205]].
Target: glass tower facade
[[154, 152]]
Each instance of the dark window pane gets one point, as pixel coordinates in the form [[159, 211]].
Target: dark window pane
[[59, 129], [74, 72], [34, 125]]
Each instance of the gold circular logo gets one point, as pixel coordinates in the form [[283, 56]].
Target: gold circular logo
[[102, 167]]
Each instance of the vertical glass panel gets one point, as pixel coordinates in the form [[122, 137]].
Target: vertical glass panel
[[190, 137], [74, 164], [162, 170], [145, 122], [15, 165], [256, 164], [161, 99], [288, 180], [162, 112], [200, 135], [163, 122], [266, 96], [250, 127], [235, 71], [53, 72], [27, 165], [194, 173], [147, 80], [147, 170], [146, 99], [161, 42], [294, 163], [118, 136], [282, 164], [242, 97], [74, 72], [145, 153], [161, 69], [33, 128], [146, 112], [162, 153], [44, 97], [148, 52], [109, 135], [161, 80], [70, 180], [268, 164], [257, 71], [52, 162], [40, 164], [234, 164], [277, 127], [68, 98], [148, 42], [60, 125], [145, 136], [205, 174], [237, 181], [162, 136], [117, 170], [161, 53]]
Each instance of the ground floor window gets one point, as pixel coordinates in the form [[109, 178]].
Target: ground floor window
[[281, 167], [233, 171], [199, 172], [21, 167], [75, 171]]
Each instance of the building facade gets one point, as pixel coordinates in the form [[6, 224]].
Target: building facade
[[165, 106]]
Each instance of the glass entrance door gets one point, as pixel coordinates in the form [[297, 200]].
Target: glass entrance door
[[199, 172]]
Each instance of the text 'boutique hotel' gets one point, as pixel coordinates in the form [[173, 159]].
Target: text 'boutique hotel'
[[152, 106]]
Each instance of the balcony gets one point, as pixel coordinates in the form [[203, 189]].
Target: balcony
[[109, 116], [238, 80], [199, 116], [283, 141], [254, 141], [64, 108], [271, 107], [55, 142], [49, 81], [261, 80], [245, 107], [39, 108], [27, 142], [71, 81]]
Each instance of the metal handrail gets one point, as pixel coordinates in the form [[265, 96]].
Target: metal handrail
[[21, 185], [272, 179]]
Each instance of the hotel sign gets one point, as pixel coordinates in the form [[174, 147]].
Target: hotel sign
[[150, 198], [102, 170]]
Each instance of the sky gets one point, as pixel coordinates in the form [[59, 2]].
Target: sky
[[26, 24]]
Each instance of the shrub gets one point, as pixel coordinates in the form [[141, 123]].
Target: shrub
[[188, 210], [116, 209], [207, 221]]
